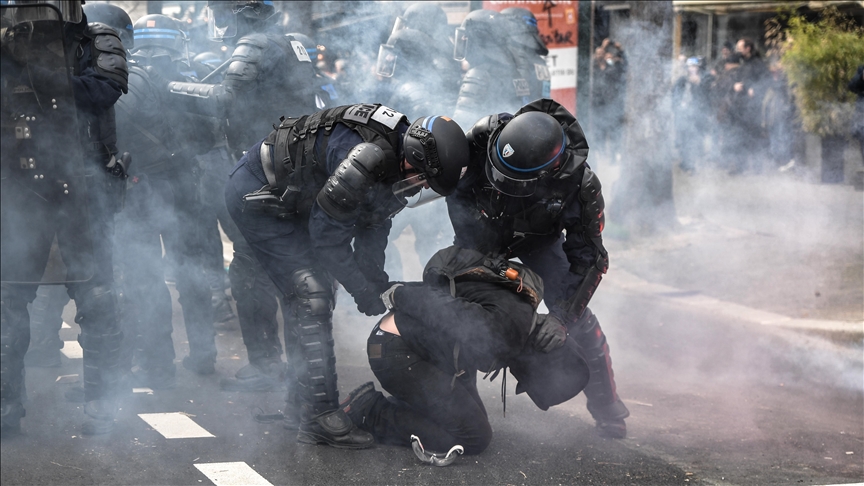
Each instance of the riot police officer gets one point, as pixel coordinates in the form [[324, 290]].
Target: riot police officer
[[528, 49], [53, 184], [527, 183], [162, 201], [300, 197], [417, 61], [495, 82], [269, 75]]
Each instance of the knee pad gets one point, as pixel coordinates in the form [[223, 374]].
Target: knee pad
[[97, 304], [587, 333], [313, 292], [242, 271]]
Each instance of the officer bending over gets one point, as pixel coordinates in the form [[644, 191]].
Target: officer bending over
[[529, 194], [300, 197]]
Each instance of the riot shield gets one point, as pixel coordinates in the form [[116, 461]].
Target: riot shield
[[44, 192]]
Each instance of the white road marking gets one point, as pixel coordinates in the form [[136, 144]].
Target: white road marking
[[72, 350], [142, 390], [232, 473], [65, 326], [175, 425], [67, 379]]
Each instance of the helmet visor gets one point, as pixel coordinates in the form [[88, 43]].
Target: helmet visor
[[400, 24], [221, 23], [414, 191], [386, 61], [508, 185], [35, 10], [460, 47]]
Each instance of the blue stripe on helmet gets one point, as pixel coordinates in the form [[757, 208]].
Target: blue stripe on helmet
[[155, 36], [160, 31], [429, 122], [517, 169]]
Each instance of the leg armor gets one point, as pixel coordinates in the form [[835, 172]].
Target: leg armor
[[14, 340], [45, 322], [315, 363], [101, 339], [603, 401], [256, 300], [195, 298]]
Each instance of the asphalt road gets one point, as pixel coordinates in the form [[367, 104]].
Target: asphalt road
[[714, 400]]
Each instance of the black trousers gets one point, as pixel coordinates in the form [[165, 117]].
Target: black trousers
[[423, 402]]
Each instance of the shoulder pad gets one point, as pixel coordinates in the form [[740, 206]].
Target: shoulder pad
[[109, 55], [346, 190], [98, 28], [258, 40]]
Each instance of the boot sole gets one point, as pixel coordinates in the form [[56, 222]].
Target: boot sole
[[315, 439]]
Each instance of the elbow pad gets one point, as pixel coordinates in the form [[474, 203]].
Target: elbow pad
[[346, 190], [109, 55], [203, 99], [243, 72]]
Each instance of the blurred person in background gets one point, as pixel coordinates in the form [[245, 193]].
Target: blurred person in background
[[607, 99], [720, 65], [269, 75], [778, 118], [729, 107], [752, 83], [494, 82], [419, 75], [691, 106], [163, 206], [856, 85]]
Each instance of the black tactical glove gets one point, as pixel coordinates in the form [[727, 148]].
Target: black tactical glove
[[369, 301], [550, 334]]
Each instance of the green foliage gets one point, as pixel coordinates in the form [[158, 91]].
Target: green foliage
[[819, 59]]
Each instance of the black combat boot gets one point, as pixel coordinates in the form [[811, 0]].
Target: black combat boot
[[260, 376], [335, 429]]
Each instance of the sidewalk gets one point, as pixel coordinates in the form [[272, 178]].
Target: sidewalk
[[772, 243]]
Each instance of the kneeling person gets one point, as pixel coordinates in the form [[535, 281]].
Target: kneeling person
[[472, 313]]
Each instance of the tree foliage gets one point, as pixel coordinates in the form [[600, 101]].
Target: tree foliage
[[819, 58]]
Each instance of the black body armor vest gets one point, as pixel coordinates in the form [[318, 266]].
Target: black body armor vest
[[297, 171]]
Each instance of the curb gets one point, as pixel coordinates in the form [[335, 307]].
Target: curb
[[627, 281]]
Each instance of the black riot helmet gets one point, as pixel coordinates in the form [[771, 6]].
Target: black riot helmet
[[229, 19], [524, 32], [437, 148], [114, 17], [426, 17], [159, 34], [409, 48], [527, 148], [480, 35]]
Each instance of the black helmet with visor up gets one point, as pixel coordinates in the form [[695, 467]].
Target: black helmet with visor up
[[228, 19]]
